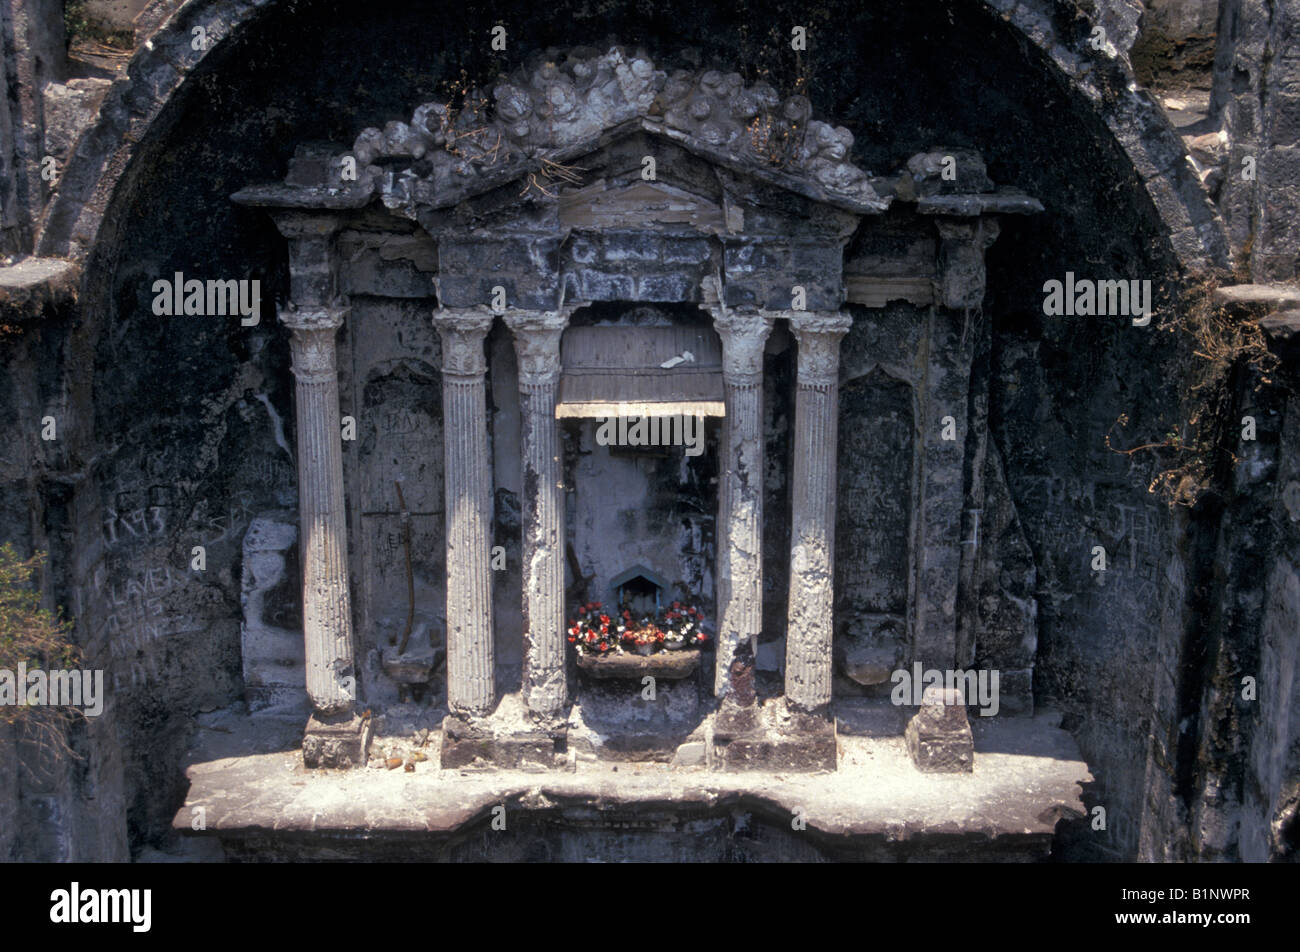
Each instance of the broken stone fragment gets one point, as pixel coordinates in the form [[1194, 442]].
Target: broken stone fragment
[[369, 145], [690, 754], [939, 737], [417, 664], [336, 740], [945, 171], [870, 664]]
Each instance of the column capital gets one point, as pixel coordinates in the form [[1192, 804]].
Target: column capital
[[818, 334], [744, 335], [312, 346], [807, 323], [962, 245], [314, 317], [537, 342], [462, 330]]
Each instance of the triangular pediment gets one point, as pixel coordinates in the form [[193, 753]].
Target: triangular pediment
[[531, 130]]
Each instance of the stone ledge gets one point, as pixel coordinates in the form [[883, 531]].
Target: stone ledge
[[30, 286], [1274, 296], [1004, 202], [248, 777], [668, 665]]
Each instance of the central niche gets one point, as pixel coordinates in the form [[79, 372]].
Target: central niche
[[640, 406]]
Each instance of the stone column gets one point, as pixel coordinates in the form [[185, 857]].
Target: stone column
[[812, 548], [468, 480], [740, 503], [335, 736], [326, 602], [537, 346]]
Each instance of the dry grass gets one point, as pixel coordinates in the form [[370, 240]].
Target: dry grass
[[1214, 344]]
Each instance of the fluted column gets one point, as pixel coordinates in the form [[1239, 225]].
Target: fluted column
[[468, 480], [812, 544], [740, 502], [326, 602], [537, 346]]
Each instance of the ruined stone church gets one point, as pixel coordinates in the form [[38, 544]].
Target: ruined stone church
[[654, 426]]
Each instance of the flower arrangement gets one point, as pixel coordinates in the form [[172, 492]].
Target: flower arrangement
[[594, 631], [591, 633], [683, 626]]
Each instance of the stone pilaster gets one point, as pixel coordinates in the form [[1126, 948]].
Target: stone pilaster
[[537, 346], [468, 481], [740, 503], [944, 402], [812, 549]]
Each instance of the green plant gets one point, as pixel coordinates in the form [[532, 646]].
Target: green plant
[[81, 27], [33, 639], [75, 23]]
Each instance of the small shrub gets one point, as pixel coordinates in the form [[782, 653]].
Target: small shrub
[[1214, 344], [40, 640]]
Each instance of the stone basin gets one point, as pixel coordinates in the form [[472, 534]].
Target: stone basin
[[668, 665]]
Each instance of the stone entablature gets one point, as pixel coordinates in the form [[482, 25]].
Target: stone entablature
[[557, 212]]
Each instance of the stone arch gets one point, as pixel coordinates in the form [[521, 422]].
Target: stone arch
[[162, 65]]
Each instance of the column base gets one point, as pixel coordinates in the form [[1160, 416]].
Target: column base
[[939, 737], [336, 740], [488, 742], [776, 738]]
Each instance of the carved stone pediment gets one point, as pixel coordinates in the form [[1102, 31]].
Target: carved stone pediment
[[530, 127], [597, 176]]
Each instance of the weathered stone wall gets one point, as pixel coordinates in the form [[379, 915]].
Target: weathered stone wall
[[1257, 70], [876, 496], [179, 414], [52, 799], [391, 384], [1270, 807], [31, 55], [1175, 46]]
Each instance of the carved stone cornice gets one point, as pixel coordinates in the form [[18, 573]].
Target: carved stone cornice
[[818, 334], [462, 331], [537, 342]]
